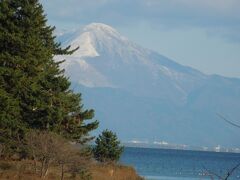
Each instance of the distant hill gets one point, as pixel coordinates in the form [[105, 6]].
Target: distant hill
[[145, 96]]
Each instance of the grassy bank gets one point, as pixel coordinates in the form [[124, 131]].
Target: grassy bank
[[24, 170], [112, 172]]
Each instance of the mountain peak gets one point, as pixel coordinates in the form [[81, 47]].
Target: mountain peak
[[103, 32], [88, 38], [97, 38], [100, 27]]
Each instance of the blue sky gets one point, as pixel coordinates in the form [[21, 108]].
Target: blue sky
[[204, 34]]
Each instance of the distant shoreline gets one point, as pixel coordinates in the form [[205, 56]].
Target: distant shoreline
[[149, 146]]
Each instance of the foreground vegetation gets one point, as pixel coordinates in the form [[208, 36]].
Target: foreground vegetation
[[49, 156], [24, 170]]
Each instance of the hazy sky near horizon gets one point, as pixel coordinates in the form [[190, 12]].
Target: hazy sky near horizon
[[203, 34]]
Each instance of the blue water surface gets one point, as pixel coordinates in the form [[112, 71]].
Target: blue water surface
[[162, 164]]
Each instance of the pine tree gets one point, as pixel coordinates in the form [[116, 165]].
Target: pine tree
[[108, 148], [11, 127], [34, 92]]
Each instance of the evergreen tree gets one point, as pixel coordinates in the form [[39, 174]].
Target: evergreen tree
[[11, 127], [108, 148], [34, 93]]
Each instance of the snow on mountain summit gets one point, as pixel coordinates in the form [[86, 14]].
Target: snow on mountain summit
[[97, 38], [100, 27], [88, 37]]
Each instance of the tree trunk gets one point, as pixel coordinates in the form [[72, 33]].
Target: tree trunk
[[42, 168], [62, 174], [35, 165], [46, 169]]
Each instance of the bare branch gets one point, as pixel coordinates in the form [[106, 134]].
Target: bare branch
[[211, 174], [230, 122], [231, 171], [228, 174]]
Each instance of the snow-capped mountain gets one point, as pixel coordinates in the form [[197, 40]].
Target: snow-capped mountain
[[107, 59], [152, 97]]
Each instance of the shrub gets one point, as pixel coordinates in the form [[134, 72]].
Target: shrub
[[108, 148], [51, 149]]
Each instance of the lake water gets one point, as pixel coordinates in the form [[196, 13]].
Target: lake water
[[162, 164]]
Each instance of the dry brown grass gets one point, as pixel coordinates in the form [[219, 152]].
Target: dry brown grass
[[113, 172], [23, 170]]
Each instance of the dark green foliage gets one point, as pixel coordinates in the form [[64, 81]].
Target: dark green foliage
[[34, 93], [107, 147]]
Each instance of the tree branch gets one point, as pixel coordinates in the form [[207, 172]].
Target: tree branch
[[232, 170], [210, 173], [230, 122]]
